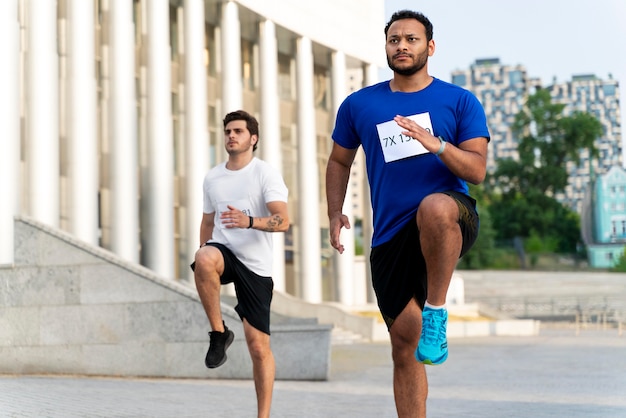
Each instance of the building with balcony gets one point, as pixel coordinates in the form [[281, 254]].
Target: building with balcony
[[503, 90], [600, 98]]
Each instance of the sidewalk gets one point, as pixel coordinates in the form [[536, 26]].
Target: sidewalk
[[555, 374]]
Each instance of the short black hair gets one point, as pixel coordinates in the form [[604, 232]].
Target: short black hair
[[251, 123], [410, 14]]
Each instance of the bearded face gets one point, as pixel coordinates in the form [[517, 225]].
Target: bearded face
[[404, 63], [407, 48]]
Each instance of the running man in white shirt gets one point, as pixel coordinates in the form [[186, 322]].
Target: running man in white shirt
[[245, 200]]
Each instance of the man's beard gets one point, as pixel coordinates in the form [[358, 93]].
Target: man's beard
[[236, 151], [422, 59]]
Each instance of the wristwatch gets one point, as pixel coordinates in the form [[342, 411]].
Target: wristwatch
[[442, 147]]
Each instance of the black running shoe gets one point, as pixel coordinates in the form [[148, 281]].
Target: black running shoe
[[218, 344]]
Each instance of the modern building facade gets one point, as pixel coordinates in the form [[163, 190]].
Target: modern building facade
[[608, 218], [600, 98], [503, 90], [112, 114]]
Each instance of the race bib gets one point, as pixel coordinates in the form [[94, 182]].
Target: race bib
[[396, 146]]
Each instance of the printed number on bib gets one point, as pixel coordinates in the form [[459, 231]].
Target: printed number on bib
[[395, 145]]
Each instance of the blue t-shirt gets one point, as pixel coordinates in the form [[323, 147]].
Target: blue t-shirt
[[400, 170]]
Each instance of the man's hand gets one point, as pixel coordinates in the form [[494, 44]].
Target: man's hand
[[415, 131], [337, 222], [234, 218]]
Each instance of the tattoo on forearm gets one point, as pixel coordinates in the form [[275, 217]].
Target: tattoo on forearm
[[273, 223]]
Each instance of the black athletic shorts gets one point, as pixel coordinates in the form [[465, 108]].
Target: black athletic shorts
[[254, 292], [398, 266]]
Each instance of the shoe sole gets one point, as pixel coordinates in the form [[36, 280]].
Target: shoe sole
[[229, 341], [429, 361]]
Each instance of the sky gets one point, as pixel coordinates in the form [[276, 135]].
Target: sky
[[551, 38]]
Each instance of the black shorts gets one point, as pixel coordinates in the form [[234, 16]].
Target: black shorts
[[398, 266], [254, 292]]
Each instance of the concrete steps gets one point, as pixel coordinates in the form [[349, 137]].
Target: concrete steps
[[465, 320], [70, 308], [341, 336]]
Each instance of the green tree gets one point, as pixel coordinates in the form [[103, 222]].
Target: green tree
[[620, 266], [523, 189], [483, 252]]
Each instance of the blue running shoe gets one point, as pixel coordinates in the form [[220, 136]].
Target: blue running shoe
[[433, 345]]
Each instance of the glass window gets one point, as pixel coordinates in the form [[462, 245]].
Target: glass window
[[284, 77], [321, 82], [247, 64], [215, 134], [515, 77], [459, 79], [210, 50], [609, 90], [174, 47]]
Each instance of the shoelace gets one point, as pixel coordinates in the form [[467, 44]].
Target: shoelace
[[432, 329]]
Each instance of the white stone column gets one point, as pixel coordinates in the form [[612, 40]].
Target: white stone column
[[232, 87], [344, 273], [196, 124], [309, 248], [83, 165], [42, 114], [371, 77], [123, 130], [270, 145], [158, 188], [232, 84], [10, 128]]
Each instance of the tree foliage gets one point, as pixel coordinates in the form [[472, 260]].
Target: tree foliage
[[523, 189], [620, 266], [483, 252]]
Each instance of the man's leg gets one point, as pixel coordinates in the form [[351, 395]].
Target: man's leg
[[410, 385], [208, 269], [209, 266], [263, 367], [441, 241]]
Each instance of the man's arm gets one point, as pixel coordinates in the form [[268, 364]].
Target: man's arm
[[278, 221], [337, 176], [206, 227], [468, 161]]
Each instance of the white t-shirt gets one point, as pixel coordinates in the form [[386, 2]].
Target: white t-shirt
[[249, 190]]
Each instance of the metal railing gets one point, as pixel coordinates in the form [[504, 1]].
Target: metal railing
[[603, 311]]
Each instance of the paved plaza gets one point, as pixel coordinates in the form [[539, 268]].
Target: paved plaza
[[555, 374]]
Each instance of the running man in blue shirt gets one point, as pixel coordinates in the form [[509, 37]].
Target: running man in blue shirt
[[423, 140]]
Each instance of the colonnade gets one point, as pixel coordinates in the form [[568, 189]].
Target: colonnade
[[98, 143]]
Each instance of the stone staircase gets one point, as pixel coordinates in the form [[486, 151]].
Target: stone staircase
[[342, 336], [70, 308]]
